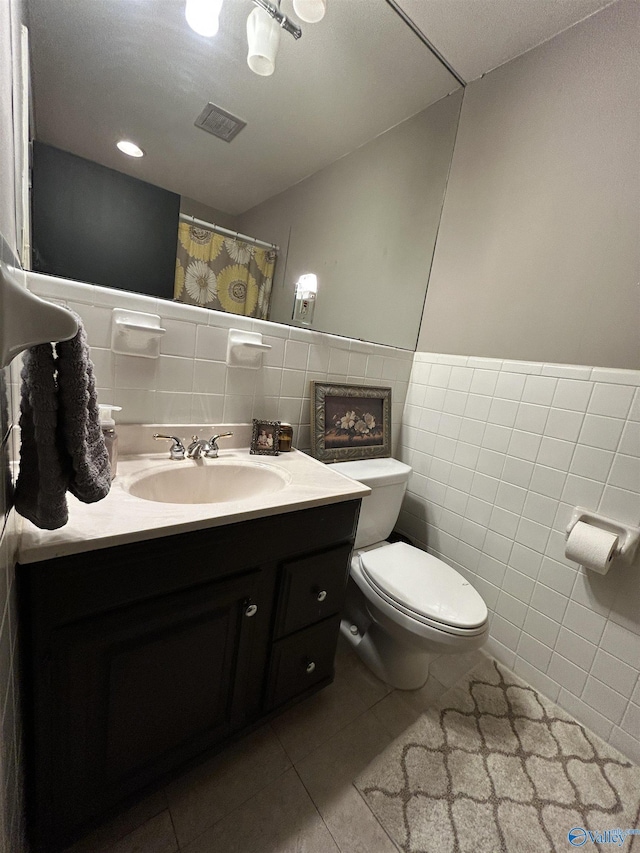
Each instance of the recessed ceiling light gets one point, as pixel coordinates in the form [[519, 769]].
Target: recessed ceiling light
[[130, 148]]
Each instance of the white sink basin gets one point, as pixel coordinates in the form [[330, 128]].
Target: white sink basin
[[208, 482]]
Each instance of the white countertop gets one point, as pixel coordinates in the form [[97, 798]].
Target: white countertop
[[122, 518]]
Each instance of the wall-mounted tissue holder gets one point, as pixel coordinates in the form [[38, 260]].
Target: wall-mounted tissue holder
[[245, 349], [595, 541], [136, 333], [26, 319]]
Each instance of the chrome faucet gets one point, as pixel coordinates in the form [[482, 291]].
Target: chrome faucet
[[200, 447], [213, 444], [176, 450]]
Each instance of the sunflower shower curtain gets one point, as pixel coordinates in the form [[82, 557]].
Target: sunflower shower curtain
[[223, 273]]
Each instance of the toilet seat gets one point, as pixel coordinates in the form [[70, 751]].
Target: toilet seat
[[423, 588]]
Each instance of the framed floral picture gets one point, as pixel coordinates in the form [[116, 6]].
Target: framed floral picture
[[265, 438], [350, 422]]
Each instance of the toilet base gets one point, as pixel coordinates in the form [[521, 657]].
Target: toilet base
[[401, 666]]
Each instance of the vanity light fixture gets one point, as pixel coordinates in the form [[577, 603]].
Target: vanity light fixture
[[130, 148], [203, 16], [305, 299], [263, 26]]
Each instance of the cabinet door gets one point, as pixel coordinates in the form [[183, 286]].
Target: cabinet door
[[139, 690]]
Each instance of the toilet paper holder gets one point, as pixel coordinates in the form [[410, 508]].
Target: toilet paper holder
[[628, 535]]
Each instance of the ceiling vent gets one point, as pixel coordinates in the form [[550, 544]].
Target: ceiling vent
[[219, 122]]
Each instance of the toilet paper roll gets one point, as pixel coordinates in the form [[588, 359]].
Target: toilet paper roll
[[592, 547]]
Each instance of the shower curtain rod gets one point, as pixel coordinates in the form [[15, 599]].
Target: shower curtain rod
[[210, 226]]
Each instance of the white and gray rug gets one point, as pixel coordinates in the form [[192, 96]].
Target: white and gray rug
[[497, 767]]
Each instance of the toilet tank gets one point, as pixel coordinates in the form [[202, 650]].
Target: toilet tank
[[387, 479]]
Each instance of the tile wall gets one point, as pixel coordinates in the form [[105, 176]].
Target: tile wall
[[502, 452], [190, 381]]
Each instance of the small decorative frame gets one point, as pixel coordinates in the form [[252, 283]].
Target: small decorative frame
[[265, 439], [350, 422]]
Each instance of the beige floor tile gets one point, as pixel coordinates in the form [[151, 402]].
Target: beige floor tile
[[109, 833], [203, 796], [280, 819], [328, 774], [426, 696], [449, 668], [154, 836], [395, 714], [350, 668], [311, 723]]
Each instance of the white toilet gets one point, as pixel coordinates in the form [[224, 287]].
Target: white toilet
[[403, 605]]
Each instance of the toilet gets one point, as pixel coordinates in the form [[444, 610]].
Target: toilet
[[403, 606]]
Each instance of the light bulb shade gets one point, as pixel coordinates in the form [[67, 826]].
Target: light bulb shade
[[203, 16], [310, 11], [263, 36]]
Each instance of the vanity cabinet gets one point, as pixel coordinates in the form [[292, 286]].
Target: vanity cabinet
[[141, 658]]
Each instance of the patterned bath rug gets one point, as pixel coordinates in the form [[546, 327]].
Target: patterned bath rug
[[497, 767]]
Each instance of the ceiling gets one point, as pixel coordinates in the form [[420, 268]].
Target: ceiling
[[476, 36], [110, 69]]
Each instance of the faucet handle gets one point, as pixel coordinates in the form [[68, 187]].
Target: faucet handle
[[212, 452], [177, 450]]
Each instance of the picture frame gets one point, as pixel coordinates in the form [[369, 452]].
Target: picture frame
[[350, 422], [265, 438]]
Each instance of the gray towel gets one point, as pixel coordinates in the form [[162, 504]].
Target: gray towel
[[79, 420], [42, 481], [62, 444]]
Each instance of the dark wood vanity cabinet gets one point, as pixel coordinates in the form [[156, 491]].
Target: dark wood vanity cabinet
[[140, 658]]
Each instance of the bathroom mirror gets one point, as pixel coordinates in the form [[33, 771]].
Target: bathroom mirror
[[342, 163]]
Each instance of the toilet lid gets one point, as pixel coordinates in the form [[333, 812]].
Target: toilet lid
[[422, 583]]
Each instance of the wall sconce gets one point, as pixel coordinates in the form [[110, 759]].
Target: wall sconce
[[305, 299]]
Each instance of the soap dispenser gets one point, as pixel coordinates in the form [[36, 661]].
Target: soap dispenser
[[107, 425]]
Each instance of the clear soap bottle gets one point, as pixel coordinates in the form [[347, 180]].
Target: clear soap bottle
[[107, 425]]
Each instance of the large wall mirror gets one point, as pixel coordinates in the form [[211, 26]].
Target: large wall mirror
[[342, 163]]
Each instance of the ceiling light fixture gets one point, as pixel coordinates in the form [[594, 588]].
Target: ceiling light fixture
[[130, 148], [203, 16]]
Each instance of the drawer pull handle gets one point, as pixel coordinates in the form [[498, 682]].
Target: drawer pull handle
[[310, 667], [322, 594], [251, 610]]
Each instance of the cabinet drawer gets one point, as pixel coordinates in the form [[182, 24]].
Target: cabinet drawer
[[302, 660], [312, 589]]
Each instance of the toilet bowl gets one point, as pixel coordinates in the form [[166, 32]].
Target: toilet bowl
[[404, 606]]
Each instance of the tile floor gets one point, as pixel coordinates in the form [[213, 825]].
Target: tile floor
[[286, 787]]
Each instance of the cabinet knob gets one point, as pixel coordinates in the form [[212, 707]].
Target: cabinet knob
[[251, 610], [321, 594], [310, 667]]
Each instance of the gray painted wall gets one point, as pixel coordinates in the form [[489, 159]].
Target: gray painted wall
[[366, 225], [538, 252]]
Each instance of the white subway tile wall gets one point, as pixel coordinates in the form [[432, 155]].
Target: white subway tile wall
[[502, 452], [191, 383]]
